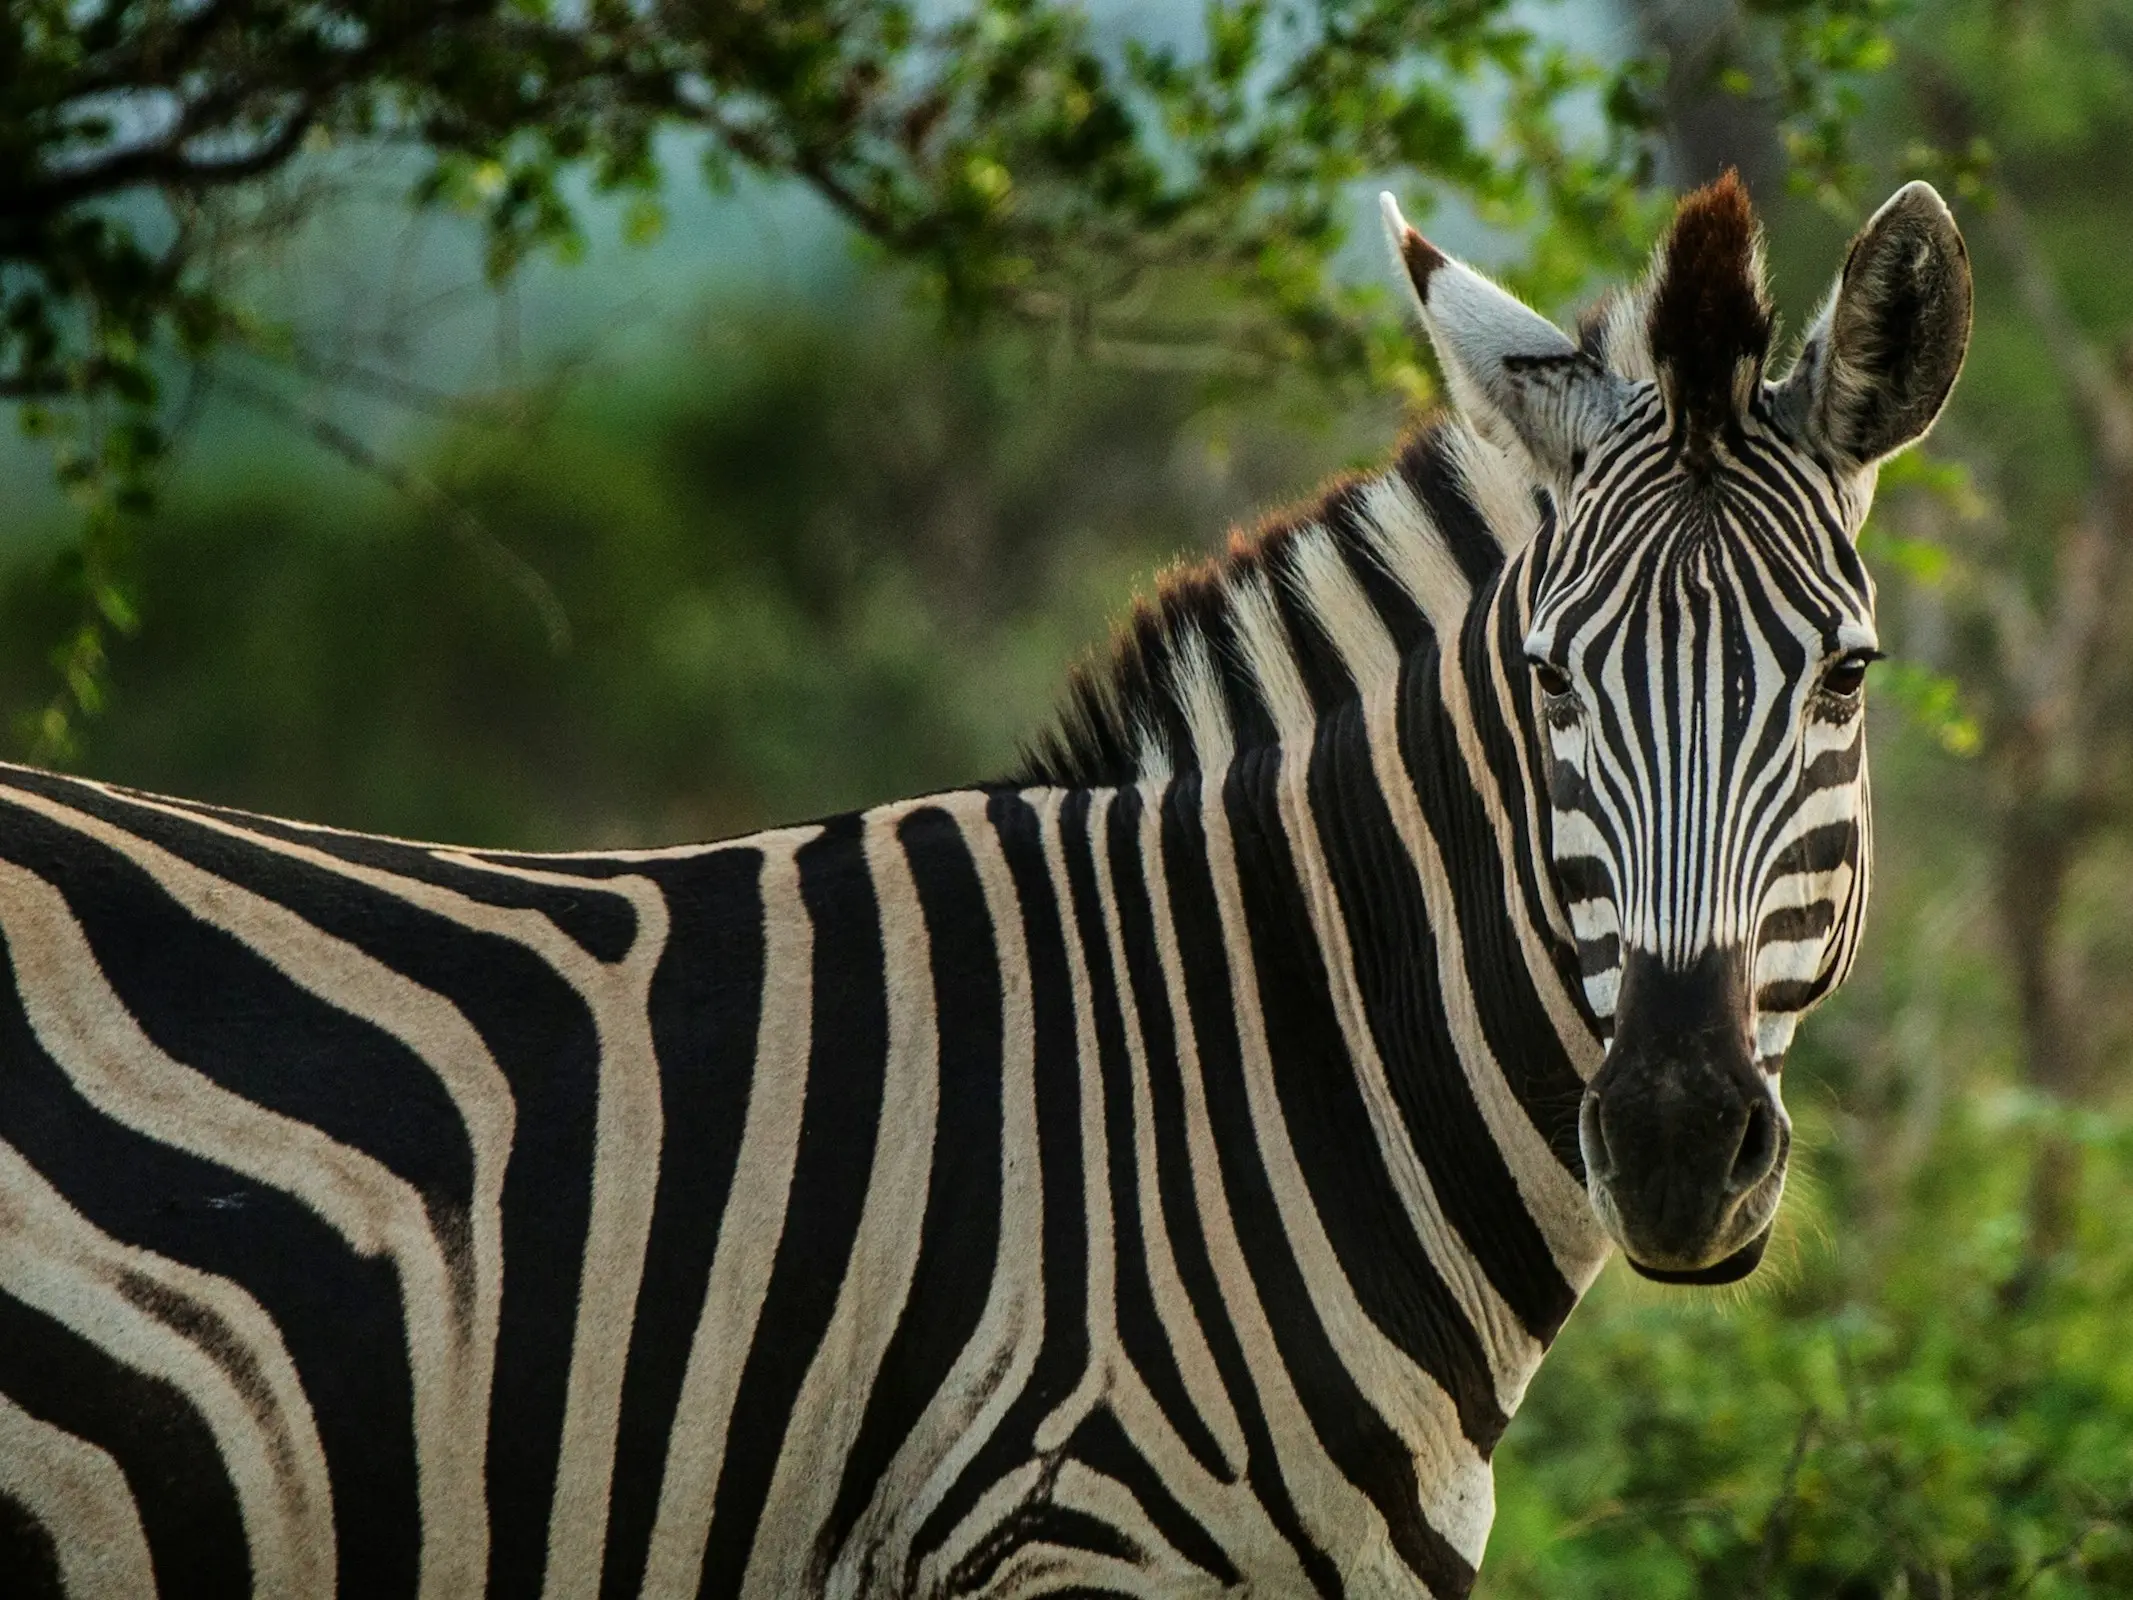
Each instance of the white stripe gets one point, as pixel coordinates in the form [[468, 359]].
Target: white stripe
[[81, 1499], [1199, 697], [832, 1402], [1264, 640], [1415, 553], [1558, 1204], [246, 1392], [626, 1130], [451, 1361], [629, 1127], [1245, 1531], [994, 1365], [1188, 1342], [748, 1232], [1343, 610], [1339, 1516], [1500, 488], [1227, 1512], [1100, 1375], [1407, 542], [1457, 1491]]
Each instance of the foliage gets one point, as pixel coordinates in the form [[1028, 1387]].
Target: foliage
[[1933, 699], [1023, 160], [1896, 1415], [2018, 586], [1933, 1395], [812, 565], [791, 549], [998, 145]]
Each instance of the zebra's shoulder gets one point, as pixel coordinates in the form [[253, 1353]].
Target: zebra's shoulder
[[1252, 646]]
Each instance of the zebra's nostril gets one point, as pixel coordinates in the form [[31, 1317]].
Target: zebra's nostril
[[1758, 1149]]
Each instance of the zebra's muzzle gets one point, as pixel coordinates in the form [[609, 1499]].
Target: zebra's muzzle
[[1685, 1142]]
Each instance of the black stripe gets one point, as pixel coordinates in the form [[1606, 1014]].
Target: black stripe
[[338, 1315], [1102, 1444], [1407, 1014], [1831, 769], [1430, 471], [1140, 1331], [1391, 1272], [1179, 1214], [1514, 1021], [1039, 1521], [959, 1236], [1790, 924], [1527, 790], [1063, 1353], [839, 1123], [187, 1505], [537, 1028], [1251, 725], [1821, 849], [705, 1008], [1345, 516], [1786, 996], [542, 1037], [28, 1554], [1318, 662], [210, 1001], [604, 924], [1213, 1021], [1355, 1437]]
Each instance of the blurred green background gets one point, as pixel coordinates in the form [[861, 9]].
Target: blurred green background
[[736, 527]]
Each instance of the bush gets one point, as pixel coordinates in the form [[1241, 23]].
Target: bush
[[1908, 1411]]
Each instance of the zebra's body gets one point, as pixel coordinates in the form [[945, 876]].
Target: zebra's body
[[1161, 1176]]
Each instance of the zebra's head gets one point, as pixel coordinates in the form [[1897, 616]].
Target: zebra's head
[[1698, 626]]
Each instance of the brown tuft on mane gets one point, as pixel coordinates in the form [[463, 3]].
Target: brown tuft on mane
[[1710, 315], [1130, 709]]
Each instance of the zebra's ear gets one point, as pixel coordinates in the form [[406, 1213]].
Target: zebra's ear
[[1877, 362], [1514, 375]]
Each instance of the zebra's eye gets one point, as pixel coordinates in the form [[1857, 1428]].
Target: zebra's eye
[[1847, 674], [1553, 680]]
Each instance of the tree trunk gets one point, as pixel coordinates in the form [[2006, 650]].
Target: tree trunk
[[2036, 852], [1709, 127]]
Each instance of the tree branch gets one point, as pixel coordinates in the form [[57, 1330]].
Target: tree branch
[[458, 519], [2105, 409]]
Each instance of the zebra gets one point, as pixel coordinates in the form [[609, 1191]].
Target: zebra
[[1159, 1172]]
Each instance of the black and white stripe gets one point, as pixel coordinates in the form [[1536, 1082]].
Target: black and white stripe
[[1160, 1174]]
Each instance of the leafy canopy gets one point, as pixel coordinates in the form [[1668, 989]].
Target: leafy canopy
[[1023, 160]]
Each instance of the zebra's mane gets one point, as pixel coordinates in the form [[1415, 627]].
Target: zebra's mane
[[1231, 652]]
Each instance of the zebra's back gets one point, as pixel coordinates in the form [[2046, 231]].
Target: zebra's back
[[822, 1212]]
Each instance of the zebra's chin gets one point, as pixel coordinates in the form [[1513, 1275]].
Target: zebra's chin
[[1731, 1269]]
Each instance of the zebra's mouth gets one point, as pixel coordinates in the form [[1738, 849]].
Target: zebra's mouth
[[1731, 1269], [1733, 1249]]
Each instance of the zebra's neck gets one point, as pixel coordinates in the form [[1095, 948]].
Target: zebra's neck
[[1376, 1106], [1331, 721], [1392, 900]]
